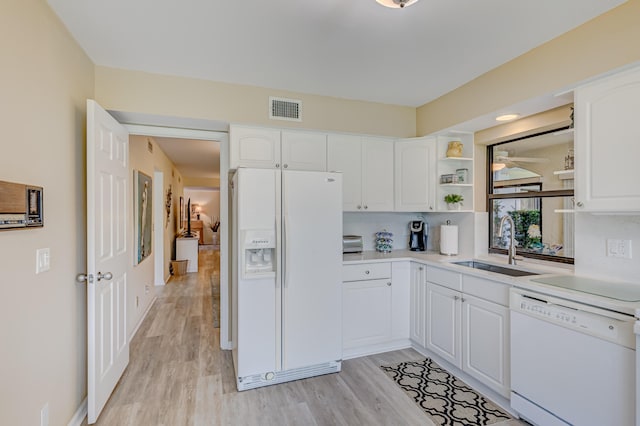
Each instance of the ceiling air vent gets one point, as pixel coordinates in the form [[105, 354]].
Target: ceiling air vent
[[285, 109]]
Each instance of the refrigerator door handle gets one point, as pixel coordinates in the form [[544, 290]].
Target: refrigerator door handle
[[285, 244]]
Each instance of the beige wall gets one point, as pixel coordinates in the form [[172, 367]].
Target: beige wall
[[45, 79], [607, 42], [135, 91], [202, 182], [142, 275]]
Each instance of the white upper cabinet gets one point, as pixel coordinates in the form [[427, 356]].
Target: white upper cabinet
[[377, 174], [366, 164], [415, 164], [607, 144], [254, 147], [304, 150], [344, 154], [274, 149]]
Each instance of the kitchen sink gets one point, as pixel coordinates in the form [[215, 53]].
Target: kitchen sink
[[495, 268]]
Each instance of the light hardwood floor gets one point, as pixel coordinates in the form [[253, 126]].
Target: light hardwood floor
[[178, 375]]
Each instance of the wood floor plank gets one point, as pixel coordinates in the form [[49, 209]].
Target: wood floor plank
[[178, 376]]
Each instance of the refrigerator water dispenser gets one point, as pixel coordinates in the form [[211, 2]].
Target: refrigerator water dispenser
[[259, 248]]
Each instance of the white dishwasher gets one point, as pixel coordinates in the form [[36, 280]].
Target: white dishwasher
[[571, 363]]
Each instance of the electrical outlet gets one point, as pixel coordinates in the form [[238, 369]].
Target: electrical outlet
[[44, 415], [619, 248]]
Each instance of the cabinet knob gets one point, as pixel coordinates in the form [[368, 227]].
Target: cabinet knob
[[580, 204], [421, 268], [456, 297], [277, 165], [359, 207], [285, 166], [462, 299], [430, 207], [366, 207], [366, 272], [389, 283]]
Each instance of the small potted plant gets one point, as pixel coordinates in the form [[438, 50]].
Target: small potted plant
[[454, 201]]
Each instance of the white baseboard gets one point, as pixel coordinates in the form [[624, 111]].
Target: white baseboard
[[135, 330], [79, 415]]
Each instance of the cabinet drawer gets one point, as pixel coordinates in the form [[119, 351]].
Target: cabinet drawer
[[444, 277], [486, 289], [366, 271]]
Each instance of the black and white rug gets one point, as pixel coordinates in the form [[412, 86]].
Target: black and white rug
[[446, 399]]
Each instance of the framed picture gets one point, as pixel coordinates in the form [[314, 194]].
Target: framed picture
[[143, 205], [181, 213]]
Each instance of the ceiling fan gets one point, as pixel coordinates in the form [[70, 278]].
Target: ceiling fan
[[502, 160]]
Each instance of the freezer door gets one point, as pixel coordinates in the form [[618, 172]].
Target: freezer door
[[312, 261], [258, 301]]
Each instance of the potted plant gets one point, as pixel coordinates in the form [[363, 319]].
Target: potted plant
[[454, 201]]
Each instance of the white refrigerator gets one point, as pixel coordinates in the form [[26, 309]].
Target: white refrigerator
[[286, 298]]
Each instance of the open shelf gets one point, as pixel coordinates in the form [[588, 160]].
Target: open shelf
[[456, 159], [450, 165], [564, 174]]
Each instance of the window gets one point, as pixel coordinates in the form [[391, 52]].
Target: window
[[531, 180]]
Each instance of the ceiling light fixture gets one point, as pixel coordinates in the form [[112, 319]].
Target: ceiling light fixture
[[507, 117], [396, 4], [495, 167]]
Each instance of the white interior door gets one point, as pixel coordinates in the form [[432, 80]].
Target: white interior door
[[108, 240]]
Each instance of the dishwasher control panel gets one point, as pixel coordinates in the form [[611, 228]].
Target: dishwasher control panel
[[597, 322]]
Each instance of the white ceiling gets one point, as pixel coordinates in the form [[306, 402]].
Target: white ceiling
[[192, 158], [353, 49]]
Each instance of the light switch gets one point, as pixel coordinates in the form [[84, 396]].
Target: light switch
[[43, 260]]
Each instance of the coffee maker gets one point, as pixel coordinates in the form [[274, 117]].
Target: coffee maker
[[419, 231]]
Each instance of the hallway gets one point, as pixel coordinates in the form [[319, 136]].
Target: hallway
[[175, 358]]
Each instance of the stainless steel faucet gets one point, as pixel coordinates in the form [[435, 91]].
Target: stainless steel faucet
[[512, 240]]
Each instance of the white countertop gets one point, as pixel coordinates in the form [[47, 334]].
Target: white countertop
[[543, 270]]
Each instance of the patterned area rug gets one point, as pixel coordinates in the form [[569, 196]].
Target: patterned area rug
[[446, 399]]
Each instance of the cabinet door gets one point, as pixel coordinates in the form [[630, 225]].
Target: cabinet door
[[485, 339], [400, 299], [344, 154], [416, 309], [415, 175], [607, 145], [366, 313], [443, 323], [254, 147], [304, 151], [377, 175]]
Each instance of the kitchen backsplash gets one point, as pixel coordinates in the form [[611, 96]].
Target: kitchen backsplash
[[592, 232], [367, 224]]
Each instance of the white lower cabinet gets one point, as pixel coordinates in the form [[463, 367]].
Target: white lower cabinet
[[469, 332], [366, 312], [485, 339], [418, 283], [443, 319], [375, 305]]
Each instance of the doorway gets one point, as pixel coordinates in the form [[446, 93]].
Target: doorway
[[204, 130]]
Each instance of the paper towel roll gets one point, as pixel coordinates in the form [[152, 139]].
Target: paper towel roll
[[449, 239]]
